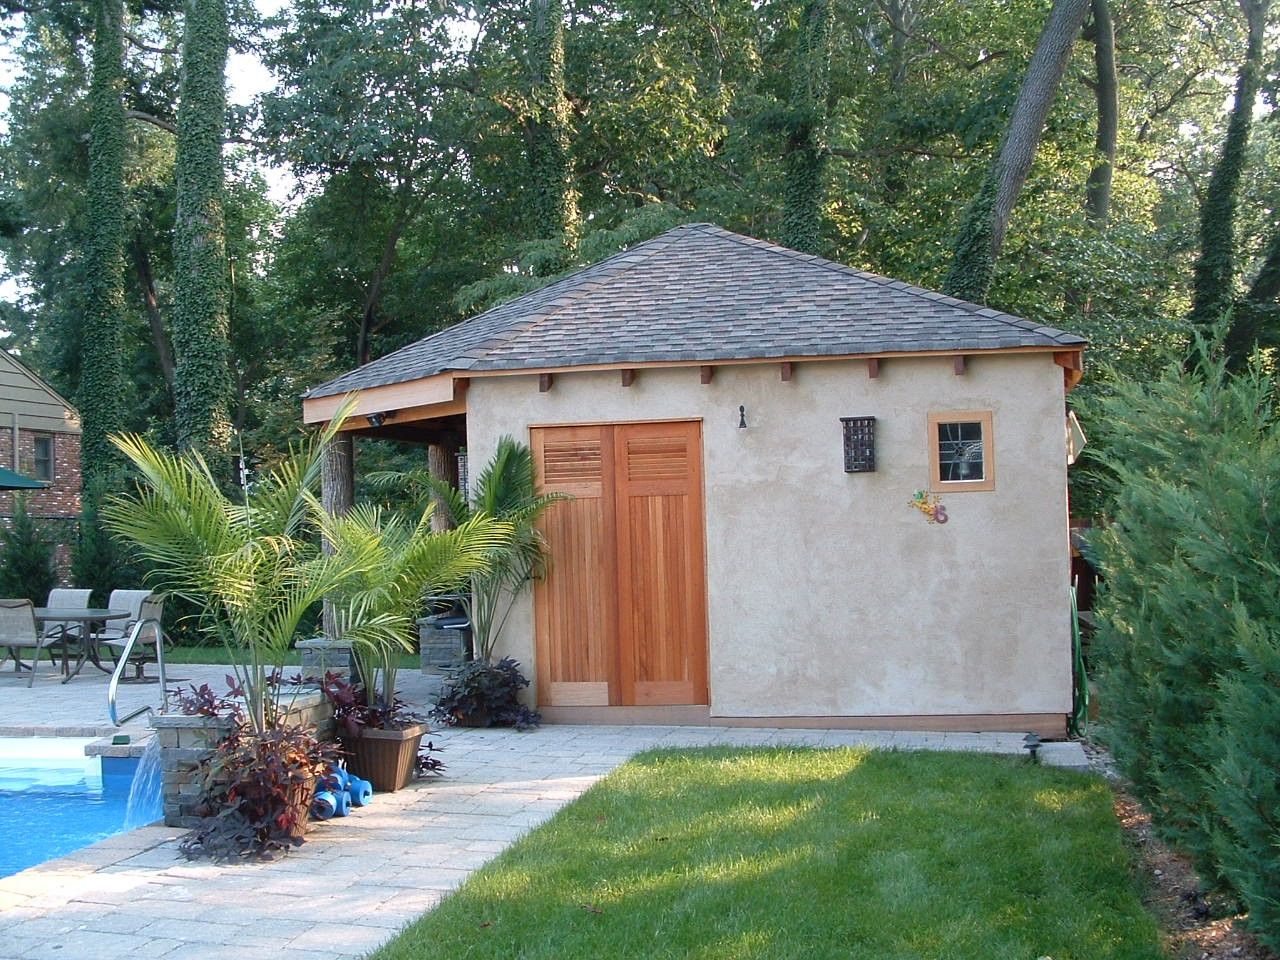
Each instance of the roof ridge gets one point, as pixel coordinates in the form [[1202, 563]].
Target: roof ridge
[[574, 282], [933, 296], [654, 247]]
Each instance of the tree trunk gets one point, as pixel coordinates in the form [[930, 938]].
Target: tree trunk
[[1213, 289], [1097, 202], [202, 384], [555, 201], [374, 294], [986, 219], [804, 160], [101, 369], [151, 301], [442, 464], [337, 496]]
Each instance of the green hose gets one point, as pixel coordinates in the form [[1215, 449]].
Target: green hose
[[1080, 681]]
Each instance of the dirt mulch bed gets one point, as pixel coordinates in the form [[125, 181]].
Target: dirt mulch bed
[[1193, 927]]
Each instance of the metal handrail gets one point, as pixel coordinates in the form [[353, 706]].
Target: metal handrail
[[123, 662]]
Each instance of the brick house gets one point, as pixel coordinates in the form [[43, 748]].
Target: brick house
[[40, 438]]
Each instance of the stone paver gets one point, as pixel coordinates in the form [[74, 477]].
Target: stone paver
[[357, 880]]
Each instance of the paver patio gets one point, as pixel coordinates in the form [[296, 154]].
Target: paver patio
[[357, 880]]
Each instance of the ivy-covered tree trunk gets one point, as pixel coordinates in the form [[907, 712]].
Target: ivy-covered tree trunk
[[804, 160], [202, 387], [986, 219], [1097, 202], [1255, 318], [1213, 289], [101, 376], [555, 201]]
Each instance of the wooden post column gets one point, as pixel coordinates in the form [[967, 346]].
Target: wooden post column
[[337, 496], [442, 464]]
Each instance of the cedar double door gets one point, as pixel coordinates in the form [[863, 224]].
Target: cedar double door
[[621, 615]]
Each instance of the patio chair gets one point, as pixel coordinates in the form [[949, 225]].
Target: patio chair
[[143, 605], [65, 597], [18, 632]]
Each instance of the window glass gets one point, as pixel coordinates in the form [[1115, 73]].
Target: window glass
[[43, 458], [960, 452]]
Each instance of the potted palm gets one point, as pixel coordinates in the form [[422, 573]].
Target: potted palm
[[377, 609], [254, 569], [484, 692]]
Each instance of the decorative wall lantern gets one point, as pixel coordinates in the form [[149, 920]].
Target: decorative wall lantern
[[859, 444]]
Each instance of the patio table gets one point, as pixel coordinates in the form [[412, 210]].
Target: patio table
[[90, 618]]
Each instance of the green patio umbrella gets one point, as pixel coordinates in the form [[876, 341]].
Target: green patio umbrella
[[16, 481]]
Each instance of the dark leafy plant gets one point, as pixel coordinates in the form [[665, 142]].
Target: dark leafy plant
[[427, 765], [259, 787], [485, 694], [204, 701], [352, 709]]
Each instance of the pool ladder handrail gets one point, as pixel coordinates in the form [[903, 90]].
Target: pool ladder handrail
[[123, 662]]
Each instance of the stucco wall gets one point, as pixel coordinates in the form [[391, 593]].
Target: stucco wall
[[828, 594]]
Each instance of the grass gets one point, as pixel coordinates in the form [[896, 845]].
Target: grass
[[219, 655], [808, 853]]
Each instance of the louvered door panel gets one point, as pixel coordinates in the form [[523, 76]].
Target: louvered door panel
[[575, 605], [661, 584]]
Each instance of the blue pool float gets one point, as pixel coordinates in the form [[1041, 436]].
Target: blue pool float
[[361, 791], [325, 805]]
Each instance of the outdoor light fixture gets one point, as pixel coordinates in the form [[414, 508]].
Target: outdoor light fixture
[[376, 419], [742, 418], [1031, 744]]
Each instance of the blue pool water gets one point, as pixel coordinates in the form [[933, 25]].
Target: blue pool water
[[54, 799]]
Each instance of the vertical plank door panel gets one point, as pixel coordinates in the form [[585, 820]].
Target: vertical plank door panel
[[662, 641], [575, 606]]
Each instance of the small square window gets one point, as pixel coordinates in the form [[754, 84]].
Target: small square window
[[961, 451], [42, 460]]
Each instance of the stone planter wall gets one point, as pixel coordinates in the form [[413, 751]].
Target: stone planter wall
[[187, 742]]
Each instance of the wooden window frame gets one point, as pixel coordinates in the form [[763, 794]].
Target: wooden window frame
[[53, 457], [988, 481]]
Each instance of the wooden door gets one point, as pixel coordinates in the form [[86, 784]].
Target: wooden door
[[621, 616]]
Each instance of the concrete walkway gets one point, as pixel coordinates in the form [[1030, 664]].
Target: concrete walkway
[[356, 880]]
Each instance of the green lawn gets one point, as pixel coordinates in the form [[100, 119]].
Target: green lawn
[[219, 655], [807, 854]]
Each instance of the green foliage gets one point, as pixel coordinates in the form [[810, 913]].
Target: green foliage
[[98, 560], [101, 379], [973, 261], [1188, 617], [805, 157], [1215, 269], [554, 206], [26, 557], [202, 385]]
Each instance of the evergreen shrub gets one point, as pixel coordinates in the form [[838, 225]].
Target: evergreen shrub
[[1188, 645], [26, 558]]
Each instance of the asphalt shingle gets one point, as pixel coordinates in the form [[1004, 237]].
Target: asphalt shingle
[[699, 292]]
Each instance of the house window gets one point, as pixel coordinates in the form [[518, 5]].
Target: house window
[[961, 451], [42, 465]]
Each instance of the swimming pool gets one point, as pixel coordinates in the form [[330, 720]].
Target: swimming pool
[[54, 799]]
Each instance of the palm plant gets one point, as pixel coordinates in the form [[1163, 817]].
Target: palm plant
[[401, 563], [255, 569], [504, 490]]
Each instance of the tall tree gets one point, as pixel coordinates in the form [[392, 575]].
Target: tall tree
[[547, 126], [804, 157], [1106, 90], [101, 376], [986, 219], [1214, 288], [202, 387]]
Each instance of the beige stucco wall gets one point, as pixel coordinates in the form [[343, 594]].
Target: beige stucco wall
[[828, 595]]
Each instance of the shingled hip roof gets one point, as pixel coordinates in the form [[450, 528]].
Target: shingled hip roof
[[702, 293]]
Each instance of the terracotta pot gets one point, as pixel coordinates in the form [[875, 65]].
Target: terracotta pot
[[384, 757]]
